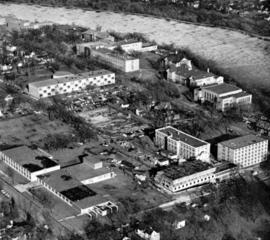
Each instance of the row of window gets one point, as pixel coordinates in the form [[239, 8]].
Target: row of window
[[189, 183]]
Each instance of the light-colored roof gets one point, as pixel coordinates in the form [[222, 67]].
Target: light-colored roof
[[72, 78], [83, 171], [182, 136], [243, 141], [222, 88], [128, 41], [62, 73], [69, 186], [31, 159]]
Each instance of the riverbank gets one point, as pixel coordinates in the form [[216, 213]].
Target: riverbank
[[244, 58]]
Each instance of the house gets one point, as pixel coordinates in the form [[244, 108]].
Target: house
[[148, 233], [223, 96], [180, 224]]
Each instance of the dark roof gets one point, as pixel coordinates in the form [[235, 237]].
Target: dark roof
[[186, 168], [222, 88], [112, 53], [243, 141], [182, 136], [175, 58], [195, 73]]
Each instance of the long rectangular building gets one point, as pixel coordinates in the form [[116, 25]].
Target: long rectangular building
[[186, 175], [224, 96], [183, 144], [122, 62], [244, 151], [30, 163], [68, 84]]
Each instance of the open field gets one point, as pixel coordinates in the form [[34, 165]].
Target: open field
[[29, 129], [245, 58]]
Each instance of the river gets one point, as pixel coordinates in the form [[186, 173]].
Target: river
[[243, 57]]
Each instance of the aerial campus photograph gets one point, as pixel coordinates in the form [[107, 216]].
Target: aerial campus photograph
[[134, 119]]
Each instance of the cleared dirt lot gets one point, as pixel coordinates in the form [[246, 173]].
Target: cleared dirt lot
[[243, 57]]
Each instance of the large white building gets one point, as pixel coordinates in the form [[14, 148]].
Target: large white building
[[224, 96], [183, 144], [244, 151], [69, 184], [68, 84], [28, 162], [186, 175], [122, 62], [130, 45]]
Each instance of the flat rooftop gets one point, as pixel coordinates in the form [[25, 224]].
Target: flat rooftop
[[223, 88], [31, 159], [241, 94], [83, 171], [112, 53], [75, 77], [105, 43], [186, 168], [243, 141], [62, 73], [67, 155], [69, 186], [182, 136], [127, 41]]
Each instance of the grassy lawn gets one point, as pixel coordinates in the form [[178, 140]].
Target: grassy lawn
[[30, 129]]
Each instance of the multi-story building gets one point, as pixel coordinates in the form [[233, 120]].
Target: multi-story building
[[184, 72], [224, 96], [244, 151], [28, 162], [186, 175], [68, 84], [96, 35], [183, 144], [122, 62], [130, 45], [85, 47]]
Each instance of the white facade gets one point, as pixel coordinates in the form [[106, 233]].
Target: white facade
[[70, 84], [131, 46], [199, 82], [148, 236], [183, 144], [99, 178], [244, 151], [120, 62], [224, 96], [31, 176], [175, 185]]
